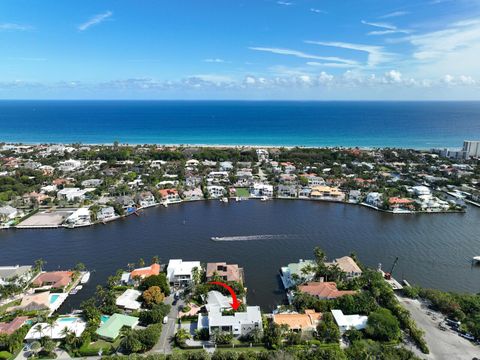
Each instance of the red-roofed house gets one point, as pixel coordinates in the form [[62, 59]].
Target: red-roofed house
[[228, 272], [144, 272], [169, 195], [12, 326], [324, 290], [54, 279]]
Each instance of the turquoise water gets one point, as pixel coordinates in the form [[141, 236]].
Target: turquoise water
[[54, 298], [104, 318], [306, 123], [67, 319]]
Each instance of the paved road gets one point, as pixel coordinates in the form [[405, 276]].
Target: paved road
[[443, 345], [168, 330]]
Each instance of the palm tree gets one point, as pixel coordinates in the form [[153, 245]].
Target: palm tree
[[39, 329], [182, 336], [50, 325]]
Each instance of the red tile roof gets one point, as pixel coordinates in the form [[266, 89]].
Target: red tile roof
[[153, 269], [12, 326], [57, 279], [324, 290]]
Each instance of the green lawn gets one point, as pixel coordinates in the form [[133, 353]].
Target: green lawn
[[3, 308], [242, 192]]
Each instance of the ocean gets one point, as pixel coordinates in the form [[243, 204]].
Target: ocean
[[420, 125]]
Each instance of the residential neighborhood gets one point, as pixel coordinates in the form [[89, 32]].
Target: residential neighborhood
[[52, 186]]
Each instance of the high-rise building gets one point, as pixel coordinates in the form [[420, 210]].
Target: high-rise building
[[471, 148]]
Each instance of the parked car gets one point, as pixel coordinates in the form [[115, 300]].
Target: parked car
[[467, 336]]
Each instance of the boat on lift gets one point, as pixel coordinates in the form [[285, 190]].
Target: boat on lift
[[85, 278]]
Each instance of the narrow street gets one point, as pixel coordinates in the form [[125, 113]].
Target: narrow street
[[168, 330]]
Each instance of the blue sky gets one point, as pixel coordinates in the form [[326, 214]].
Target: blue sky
[[255, 49]]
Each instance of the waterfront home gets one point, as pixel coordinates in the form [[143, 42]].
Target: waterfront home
[[287, 191], [261, 190], [243, 178], [304, 193], [106, 213], [169, 196], [323, 192], [127, 203], [110, 329], [33, 302], [305, 323], [348, 266], [354, 196], [193, 194], [92, 182], [79, 217], [374, 199], [217, 299], [145, 272], [145, 199], [56, 331], [16, 274], [239, 324], [348, 322], [297, 273], [216, 191], [53, 280], [129, 300], [10, 327], [180, 273], [72, 194], [8, 213], [324, 290], [400, 203], [227, 272], [34, 198]]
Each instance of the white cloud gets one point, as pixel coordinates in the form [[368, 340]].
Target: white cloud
[[318, 11], [95, 20], [376, 54], [394, 14], [14, 27], [393, 76], [284, 3], [300, 54], [387, 28], [331, 65], [214, 60]]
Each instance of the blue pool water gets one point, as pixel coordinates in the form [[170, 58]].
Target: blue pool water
[[54, 298], [104, 318], [67, 319]]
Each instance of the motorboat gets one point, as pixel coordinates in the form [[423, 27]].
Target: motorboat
[[85, 278]]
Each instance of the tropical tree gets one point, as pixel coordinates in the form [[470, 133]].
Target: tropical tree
[[35, 347], [327, 330], [39, 264], [153, 295], [181, 337]]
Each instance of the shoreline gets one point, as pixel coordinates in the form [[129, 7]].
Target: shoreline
[[215, 146], [120, 217]]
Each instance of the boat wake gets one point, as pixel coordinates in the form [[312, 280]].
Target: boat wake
[[254, 237]]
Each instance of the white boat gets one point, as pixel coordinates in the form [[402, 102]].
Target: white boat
[[224, 199], [264, 198], [85, 278], [476, 259]]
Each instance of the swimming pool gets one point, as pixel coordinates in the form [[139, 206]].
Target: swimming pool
[[67, 319], [104, 318], [53, 298]]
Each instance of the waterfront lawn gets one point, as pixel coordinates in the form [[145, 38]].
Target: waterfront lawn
[[242, 192], [4, 307]]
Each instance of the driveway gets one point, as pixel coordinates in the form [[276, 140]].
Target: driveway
[[443, 345], [168, 330]]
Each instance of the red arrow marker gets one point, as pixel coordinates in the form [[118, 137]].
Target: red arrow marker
[[235, 304]]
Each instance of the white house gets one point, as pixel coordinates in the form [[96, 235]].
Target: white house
[[106, 213], [8, 213], [15, 273], [56, 332], [128, 300], [374, 199], [259, 190], [69, 165], [72, 194], [239, 324], [347, 322], [216, 191], [92, 182], [421, 190], [179, 272], [79, 217]]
